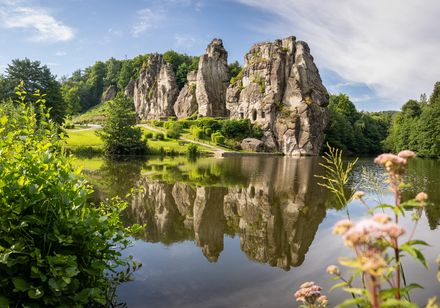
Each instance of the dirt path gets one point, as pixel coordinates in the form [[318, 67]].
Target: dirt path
[[91, 127], [218, 152]]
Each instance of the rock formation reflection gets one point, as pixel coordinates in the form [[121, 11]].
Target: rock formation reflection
[[275, 209]]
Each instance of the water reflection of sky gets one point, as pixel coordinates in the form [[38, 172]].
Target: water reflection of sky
[[245, 241]]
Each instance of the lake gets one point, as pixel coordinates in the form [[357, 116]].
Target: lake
[[246, 231]]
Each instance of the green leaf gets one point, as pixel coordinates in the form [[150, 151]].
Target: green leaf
[[20, 284], [4, 302], [357, 291], [392, 302], [351, 302], [416, 254], [35, 293], [338, 285]]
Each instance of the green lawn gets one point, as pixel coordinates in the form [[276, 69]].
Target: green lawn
[[83, 138], [88, 138]]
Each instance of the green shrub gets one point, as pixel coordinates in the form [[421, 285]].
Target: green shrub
[[192, 150], [174, 130], [148, 135], [56, 249], [217, 138], [239, 129], [157, 123], [211, 123], [208, 132], [172, 118], [159, 136], [197, 132], [185, 123], [119, 133], [193, 116]]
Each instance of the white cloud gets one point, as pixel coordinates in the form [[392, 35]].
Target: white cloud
[[391, 46], [186, 41], [45, 28], [146, 20], [60, 53]]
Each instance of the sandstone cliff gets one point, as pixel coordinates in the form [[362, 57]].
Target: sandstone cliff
[[186, 103], [213, 80], [155, 91], [280, 90]]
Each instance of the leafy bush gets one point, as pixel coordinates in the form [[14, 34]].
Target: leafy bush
[[174, 130], [148, 135], [56, 249], [208, 132], [192, 150], [217, 138], [197, 132], [157, 123], [208, 122], [159, 136], [239, 129], [119, 133]]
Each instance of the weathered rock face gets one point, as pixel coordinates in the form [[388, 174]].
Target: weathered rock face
[[252, 144], [282, 92], [109, 93], [129, 89], [213, 80], [186, 103], [155, 91]]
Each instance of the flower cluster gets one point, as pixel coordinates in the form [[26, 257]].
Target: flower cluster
[[395, 163], [310, 294], [333, 270], [368, 232]]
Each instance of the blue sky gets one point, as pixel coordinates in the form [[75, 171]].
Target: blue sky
[[381, 53]]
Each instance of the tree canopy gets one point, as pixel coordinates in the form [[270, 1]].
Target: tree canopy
[[353, 131], [35, 77], [417, 126]]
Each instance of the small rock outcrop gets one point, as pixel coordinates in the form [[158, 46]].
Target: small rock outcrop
[[109, 93], [186, 103], [280, 90], [155, 91], [129, 89], [213, 80], [252, 144]]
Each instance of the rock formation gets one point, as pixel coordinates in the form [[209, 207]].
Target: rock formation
[[129, 89], [155, 91], [109, 93], [281, 91], [186, 103], [252, 144], [213, 80]]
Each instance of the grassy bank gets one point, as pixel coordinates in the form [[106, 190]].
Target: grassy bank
[[85, 142]]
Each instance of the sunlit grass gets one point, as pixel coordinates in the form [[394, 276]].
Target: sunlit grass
[[88, 138]]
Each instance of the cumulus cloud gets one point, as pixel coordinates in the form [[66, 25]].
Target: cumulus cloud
[[391, 46], [146, 19], [44, 27]]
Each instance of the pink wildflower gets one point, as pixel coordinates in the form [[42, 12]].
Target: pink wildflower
[[421, 197], [406, 154], [381, 218], [342, 226]]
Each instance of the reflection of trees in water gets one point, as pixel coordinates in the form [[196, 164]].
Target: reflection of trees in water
[[276, 216], [115, 178], [425, 176]]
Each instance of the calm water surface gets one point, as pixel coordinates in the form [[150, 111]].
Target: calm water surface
[[244, 231]]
